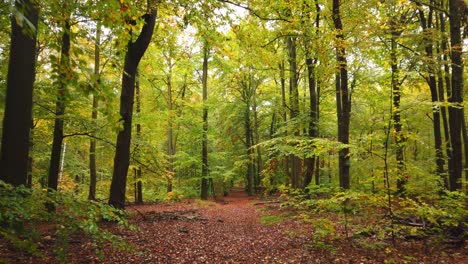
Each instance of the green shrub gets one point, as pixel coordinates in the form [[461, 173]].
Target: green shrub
[[22, 209]]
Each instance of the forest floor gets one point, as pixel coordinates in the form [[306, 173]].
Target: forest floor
[[234, 229]]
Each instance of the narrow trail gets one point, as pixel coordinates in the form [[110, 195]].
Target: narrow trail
[[225, 231]]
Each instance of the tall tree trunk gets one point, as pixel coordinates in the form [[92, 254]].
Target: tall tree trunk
[[65, 72], [444, 79], [18, 105], [170, 132], [283, 113], [256, 142], [138, 182], [204, 180], [248, 147], [396, 109], [294, 106], [135, 51], [313, 102], [342, 98], [313, 118], [426, 24], [94, 114], [456, 98]]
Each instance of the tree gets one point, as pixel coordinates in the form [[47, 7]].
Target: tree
[[65, 75], [343, 102], [455, 99], [20, 81], [135, 51], [94, 114], [204, 180], [314, 87]]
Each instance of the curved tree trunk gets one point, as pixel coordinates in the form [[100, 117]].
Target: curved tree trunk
[[135, 51]]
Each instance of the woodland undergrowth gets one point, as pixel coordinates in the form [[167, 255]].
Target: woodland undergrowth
[[27, 222], [370, 221]]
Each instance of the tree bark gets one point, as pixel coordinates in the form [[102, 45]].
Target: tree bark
[[94, 115], [135, 51], [138, 182], [170, 133], [18, 105], [256, 132], [60, 104], [444, 79], [248, 147], [396, 109], [294, 106], [432, 81], [342, 98], [456, 98], [311, 64], [204, 180], [283, 114]]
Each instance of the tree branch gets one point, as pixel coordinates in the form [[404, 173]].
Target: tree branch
[[254, 12]]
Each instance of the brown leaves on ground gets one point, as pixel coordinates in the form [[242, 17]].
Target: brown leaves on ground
[[232, 230]]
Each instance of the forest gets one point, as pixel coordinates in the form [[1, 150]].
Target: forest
[[325, 130]]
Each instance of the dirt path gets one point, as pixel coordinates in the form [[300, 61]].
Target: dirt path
[[228, 231]]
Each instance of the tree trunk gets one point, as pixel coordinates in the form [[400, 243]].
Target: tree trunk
[[30, 157], [257, 141], [432, 82], [170, 133], [283, 113], [249, 151], [444, 79], [313, 101], [456, 98], [342, 98], [135, 51], [94, 114], [204, 180], [138, 182], [294, 106], [65, 72], [18, 105], [396, 110]]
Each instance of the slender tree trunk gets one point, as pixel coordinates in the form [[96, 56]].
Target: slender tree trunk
[[135, 51], [313, 118], [294, 106], [249, 151], [342, 98], [283, 113], [18, 106], [396, 109], [456, 98], [432, 82], [94, 115], [444, 79], [138, 182], [311, 64], [65, 72], [204, 180], [257, 141], [170, 132]]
